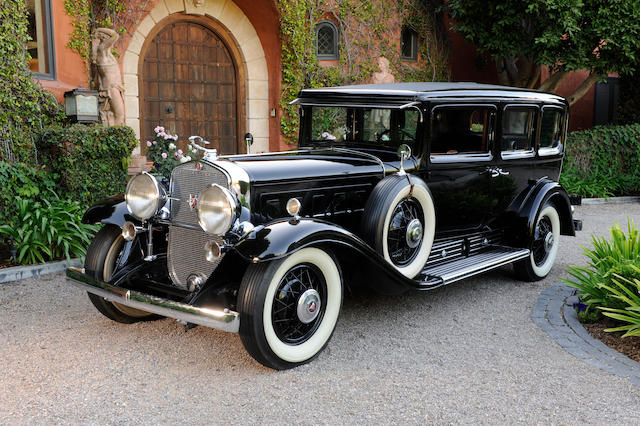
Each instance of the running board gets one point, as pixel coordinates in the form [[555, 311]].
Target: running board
[[491, 258]]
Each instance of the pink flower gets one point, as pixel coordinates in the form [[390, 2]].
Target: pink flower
[[175, 153], [158, 129], [180, 151], [164, 155], [154, 142], [175, 137], [148, 143], [179, 156], [166, 136]]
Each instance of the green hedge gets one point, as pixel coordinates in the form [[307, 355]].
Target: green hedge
[[603, 161], [91, 161]]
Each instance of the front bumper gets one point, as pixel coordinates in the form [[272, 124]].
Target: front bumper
[[224, 320]]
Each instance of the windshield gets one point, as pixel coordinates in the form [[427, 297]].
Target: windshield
[[377, 126]]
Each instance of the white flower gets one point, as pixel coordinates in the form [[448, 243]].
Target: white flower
[[185, 159], [172, 146]]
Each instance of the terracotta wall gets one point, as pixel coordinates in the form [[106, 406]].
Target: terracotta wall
[[70, 69]]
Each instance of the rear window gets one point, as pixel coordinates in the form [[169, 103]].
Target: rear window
[[551, 128]]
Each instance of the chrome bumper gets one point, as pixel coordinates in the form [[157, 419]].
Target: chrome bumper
[[224, 320]]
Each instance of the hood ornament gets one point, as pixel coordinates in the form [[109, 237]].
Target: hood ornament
[[209, 154]]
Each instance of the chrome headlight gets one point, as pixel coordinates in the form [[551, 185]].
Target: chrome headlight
[[217, 209], [145, 197]]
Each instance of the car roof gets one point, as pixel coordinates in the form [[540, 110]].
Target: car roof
[[428, 91]]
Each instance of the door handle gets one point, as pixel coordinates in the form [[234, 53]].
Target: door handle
[[495, 171]]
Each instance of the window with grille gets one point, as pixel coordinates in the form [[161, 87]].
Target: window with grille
[[409, 44], [327, 41]]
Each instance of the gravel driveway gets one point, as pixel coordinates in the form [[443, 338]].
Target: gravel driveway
[[467, 353]]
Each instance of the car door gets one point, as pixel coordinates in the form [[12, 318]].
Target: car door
[[460, 153], [514, 165]]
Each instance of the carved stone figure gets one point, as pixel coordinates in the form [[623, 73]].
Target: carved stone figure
[[109, 78], [384, 76]]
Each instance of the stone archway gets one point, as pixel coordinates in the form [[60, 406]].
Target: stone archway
[[251, 58]]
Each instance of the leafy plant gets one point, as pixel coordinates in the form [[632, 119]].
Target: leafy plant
[[165, 154], [608, 260], [91, 161], [628, 292], [603, 161], [47, 230], [24, 181]]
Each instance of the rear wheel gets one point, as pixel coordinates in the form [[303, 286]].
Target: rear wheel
[[543, 245], [289, 307], [102, 256]]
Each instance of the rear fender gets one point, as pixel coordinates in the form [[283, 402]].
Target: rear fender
[[283, 237], [544, 191]]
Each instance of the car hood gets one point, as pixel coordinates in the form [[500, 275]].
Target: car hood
[[312, 165]]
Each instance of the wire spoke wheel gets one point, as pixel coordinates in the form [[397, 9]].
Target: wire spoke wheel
[[299, 304], [405, 232]]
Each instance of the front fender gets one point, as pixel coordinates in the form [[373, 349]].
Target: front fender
[[111, 210], [283, 237]]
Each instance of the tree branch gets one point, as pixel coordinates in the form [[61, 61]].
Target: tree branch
[[503, 77], [535, 76], [552, 83], [512, 70], [583, 88]]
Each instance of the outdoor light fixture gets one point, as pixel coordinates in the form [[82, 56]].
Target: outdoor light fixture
[[81, 105], [248, 139]]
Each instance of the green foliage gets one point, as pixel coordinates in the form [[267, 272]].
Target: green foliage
[[603, 161], [25, 181], [608, 260], [48, 230], [25, 108], [628, 292], [595, 35], [91, 161], [80, 38], [364, 29], [165, 154]]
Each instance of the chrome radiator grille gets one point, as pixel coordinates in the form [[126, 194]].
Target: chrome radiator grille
[[186, 239]]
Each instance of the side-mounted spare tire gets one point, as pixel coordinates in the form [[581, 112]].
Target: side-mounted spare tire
[[399, 221]]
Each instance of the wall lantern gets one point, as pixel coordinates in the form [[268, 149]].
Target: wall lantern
[[248, 139], [81, 105]]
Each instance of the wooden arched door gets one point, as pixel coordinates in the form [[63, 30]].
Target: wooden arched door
[[188, 84]]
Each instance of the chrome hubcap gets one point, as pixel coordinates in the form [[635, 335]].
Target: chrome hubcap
[[548, 241], [414, 233], [308, 306]]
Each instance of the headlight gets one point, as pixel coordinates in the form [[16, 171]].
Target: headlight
[[216, 210], [145, 197]]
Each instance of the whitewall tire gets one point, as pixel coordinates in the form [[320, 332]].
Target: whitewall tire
[[289, 307], [543, 245]]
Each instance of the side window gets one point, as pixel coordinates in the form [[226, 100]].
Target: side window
[[461, 130], [518, 124], [551, 131]]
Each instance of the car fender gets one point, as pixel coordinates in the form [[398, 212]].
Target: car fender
[[543, 191], [111, 210], [280, 238]]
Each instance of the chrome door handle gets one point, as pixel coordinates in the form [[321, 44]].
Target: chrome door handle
[[496, 171]]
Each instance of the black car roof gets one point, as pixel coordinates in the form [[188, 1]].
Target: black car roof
[[426, 91]]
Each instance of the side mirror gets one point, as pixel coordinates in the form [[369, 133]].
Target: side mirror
[[404, 152]]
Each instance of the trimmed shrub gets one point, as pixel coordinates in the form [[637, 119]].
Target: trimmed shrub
[[91, 161], [603, 161]]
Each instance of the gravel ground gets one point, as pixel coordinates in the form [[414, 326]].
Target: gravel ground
[[466, 353]]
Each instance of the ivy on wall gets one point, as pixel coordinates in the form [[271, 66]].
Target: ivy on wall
[[25, 108], [366, 30]]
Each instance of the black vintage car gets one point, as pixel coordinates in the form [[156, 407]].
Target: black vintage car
[[394, 187]]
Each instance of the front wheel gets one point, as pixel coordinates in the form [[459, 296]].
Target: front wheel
[[102, 256], [289, 307], [543, 245]]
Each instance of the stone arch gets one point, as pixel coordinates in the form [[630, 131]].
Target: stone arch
[[230, 16]]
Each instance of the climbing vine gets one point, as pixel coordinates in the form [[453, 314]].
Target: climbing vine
[[366, 31]]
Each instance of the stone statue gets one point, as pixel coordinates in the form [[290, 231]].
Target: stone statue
[[384, 76], [110, 88]]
